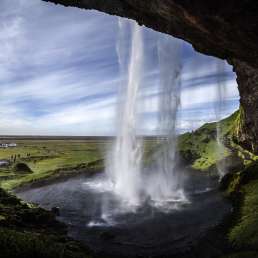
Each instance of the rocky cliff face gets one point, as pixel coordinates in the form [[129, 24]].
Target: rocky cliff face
[[247, 80], [225, 29]]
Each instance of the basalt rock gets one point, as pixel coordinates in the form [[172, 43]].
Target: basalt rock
[[22, 168], [225, 29]]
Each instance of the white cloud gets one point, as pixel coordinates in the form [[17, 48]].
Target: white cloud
[[59, 75]]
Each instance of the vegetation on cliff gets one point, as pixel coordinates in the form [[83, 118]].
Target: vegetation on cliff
[[242, 189], [29, 231], [198, 150]]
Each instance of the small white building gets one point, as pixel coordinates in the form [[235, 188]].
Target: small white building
[[12, 144], [7, 145]]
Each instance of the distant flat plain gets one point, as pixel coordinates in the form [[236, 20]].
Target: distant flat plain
[[49, 156]]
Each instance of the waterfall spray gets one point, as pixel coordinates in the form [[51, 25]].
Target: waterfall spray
[[221, 92], [166, 185], [163, 184], [125, 167]]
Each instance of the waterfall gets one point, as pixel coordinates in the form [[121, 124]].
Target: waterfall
[[219, 108], [166, 183], [125, 167], [131, 183]]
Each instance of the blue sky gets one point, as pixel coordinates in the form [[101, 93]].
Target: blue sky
[[59, 74]]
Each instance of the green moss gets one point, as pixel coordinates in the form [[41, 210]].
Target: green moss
[[29, 231], [27, 244], [233, 184], [245, 232]]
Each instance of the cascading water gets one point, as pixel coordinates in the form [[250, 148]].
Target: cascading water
[[166, 182], [131, 183], [219, 107], [125, 167]]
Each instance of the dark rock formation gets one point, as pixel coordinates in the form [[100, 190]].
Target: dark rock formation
[[247, 79], [22, 168], [225, 29], [27, 231]]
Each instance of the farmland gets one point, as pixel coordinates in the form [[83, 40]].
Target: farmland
[[47, 157]]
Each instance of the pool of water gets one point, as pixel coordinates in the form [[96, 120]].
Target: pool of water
[[98, 218]]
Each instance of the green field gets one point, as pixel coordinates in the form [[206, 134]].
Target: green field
[[49, 157]]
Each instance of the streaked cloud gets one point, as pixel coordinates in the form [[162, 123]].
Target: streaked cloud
[[59, 74]]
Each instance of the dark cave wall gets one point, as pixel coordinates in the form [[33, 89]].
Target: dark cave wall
[[225, 29], [247, 80]]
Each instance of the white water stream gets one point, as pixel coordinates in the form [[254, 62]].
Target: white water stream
[[124, 169], [162, 184]]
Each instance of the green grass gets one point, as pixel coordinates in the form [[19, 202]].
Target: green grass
[[47, 158], [201, 149], [245, 232]]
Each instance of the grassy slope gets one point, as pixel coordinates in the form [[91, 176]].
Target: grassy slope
[[200, 148]]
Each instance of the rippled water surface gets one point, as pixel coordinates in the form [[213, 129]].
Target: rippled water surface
[[97, 217]]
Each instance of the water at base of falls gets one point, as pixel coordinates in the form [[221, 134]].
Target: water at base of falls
[[166, 184], [94, 214]]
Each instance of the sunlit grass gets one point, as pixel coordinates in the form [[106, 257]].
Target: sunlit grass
[[47, 157], [200, 148]]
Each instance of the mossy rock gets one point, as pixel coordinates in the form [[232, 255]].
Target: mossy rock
[[33, 232], [22, 168], [249, 173], [232, 182], [25, 244], [244, 234]]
